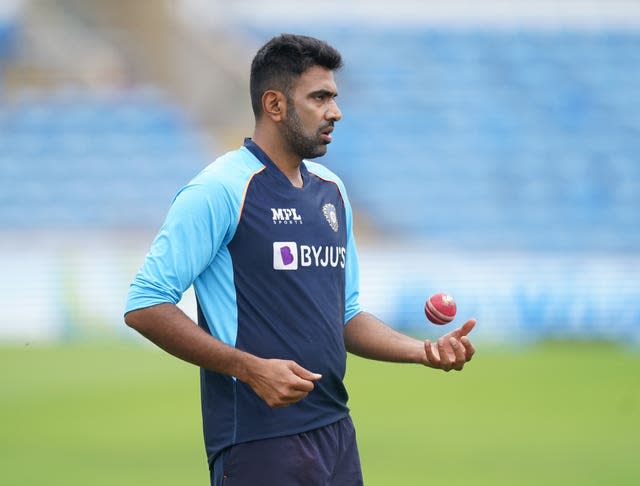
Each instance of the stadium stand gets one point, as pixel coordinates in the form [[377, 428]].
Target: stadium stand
[[519, 144], [493, 138], [524, 140], [527, 149], [81, 160], [9, 27], [7, 37]]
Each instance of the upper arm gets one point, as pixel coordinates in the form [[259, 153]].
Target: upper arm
[[198, 222]]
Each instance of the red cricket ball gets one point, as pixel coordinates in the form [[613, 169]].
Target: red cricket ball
[[440, 308]]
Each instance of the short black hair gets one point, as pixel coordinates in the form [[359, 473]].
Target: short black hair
[[280, 62]]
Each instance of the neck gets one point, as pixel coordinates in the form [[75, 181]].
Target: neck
[[282, 157]]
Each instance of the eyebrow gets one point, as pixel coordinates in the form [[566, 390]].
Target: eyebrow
[[324, 92]]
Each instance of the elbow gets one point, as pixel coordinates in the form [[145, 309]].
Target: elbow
[[130, 320], [145, 318]]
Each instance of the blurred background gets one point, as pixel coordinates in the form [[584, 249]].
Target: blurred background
[[491, 150]]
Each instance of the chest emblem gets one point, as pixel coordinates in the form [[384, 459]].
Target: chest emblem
[[329, 211]]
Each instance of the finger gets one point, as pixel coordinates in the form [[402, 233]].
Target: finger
[[470, 350], [304, 373], [445, 355], [284, 396], [303, 379], [294, 397], [288, 400], [294, 392], [301, 385], [465, 329], [459, 352], [432, 357]]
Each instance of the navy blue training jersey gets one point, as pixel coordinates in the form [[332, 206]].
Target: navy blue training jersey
[[275, 273]]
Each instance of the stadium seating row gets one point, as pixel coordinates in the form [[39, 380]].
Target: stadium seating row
[[8, 34], [86, 161], [497, 139]]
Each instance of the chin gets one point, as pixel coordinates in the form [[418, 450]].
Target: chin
[[319, 152]]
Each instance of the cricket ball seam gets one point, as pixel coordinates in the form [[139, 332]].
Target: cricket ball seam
[[440, 308], [437, 314]]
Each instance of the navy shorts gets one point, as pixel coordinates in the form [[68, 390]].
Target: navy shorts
[[327, 456]]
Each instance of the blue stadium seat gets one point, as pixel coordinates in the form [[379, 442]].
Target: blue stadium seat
[[531, 138], [73, 159]]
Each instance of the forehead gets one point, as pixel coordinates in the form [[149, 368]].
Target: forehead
[[316, 78]]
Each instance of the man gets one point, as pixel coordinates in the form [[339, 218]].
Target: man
[[265, 236]]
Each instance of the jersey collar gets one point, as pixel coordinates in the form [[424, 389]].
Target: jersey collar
[[261, 155]]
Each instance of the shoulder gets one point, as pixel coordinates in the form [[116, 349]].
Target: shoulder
[[225, 177], [322, 171], [232, 171], [215, 195], [220, 186], [326, 174]]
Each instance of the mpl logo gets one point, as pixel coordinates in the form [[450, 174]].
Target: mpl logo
[[285, 216], [285, 255]]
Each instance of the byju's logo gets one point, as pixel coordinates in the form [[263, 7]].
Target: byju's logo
[[285, 255], [285, 216], [288, 255]]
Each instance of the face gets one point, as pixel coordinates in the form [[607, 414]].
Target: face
[[311, 113]]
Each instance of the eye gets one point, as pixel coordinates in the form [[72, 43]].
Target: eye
[[323, 96]]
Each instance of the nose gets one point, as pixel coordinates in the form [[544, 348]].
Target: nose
[[333, 113]]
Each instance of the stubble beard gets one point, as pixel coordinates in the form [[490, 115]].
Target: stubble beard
[[301, 143]]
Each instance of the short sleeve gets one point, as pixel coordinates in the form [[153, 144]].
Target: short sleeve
[[198, 223], [352, 266]]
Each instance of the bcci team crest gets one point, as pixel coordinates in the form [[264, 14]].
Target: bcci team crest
[[329, 211]]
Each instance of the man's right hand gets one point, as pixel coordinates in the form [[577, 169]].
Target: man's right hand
[[278, 382], [281, 382]]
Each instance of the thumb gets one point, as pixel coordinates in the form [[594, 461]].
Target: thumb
[[304, 373], [465, 328]]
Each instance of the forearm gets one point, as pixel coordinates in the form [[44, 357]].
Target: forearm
[[278, 382], [367, 336], [172, 330]]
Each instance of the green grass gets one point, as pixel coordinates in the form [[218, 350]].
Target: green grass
[[559, 414], [124, 414]]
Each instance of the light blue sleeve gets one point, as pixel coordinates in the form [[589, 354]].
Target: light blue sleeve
[[352, 266], [200, 220]]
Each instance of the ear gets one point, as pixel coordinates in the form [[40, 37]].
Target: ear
[[274, 105]]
